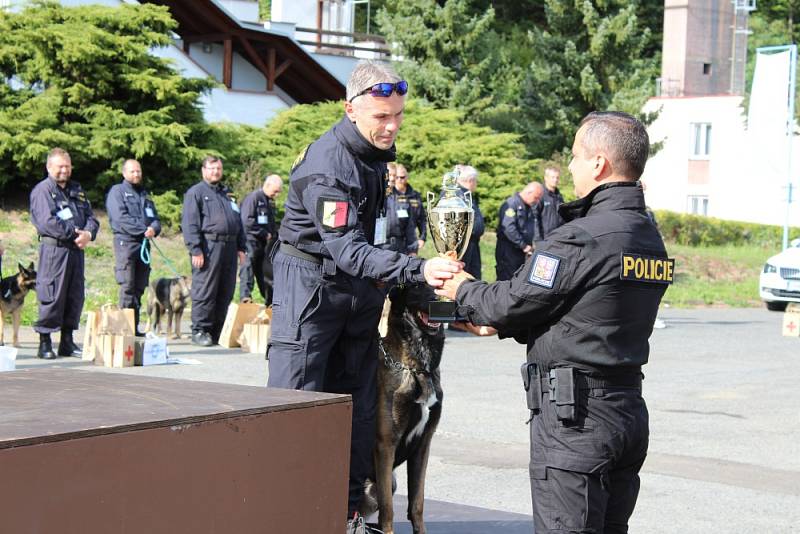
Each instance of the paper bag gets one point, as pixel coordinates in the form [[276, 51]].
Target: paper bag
[[154, 351], [90, 348], [116, 321], [255, 338], [237, 316]]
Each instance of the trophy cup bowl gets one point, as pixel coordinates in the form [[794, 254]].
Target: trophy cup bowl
[[450, 224]]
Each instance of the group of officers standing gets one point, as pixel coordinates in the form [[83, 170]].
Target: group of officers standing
[[216, 230], [585, 320]]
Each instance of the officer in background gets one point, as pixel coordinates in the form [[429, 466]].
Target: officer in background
[[212, 231], [329, 272], [259, 219], [585, 305], [66, 224], [547, 209], [400, 219], [516, 230], [133, 217], [468, 181], [415, 205]]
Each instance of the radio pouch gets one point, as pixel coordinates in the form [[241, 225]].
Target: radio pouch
[[533, 385], [564, 393]]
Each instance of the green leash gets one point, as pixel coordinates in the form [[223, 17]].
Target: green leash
[[144, 255]]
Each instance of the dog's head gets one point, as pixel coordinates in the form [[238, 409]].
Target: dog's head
[[26, 277], [410, 306]]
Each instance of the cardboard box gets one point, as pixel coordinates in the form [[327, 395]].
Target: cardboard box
[[154, 351], [118, 350], [238, 315], [255, 338]]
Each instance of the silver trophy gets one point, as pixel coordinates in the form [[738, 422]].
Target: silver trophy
[[450, 224]]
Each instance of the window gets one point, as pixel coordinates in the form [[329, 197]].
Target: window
[[698, 205], [700, 139], [706, 68]]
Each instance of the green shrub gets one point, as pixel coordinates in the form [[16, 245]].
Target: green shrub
[[169, 207], [696, 230]]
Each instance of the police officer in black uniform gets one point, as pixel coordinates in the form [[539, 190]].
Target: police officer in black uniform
[[133, 217], [400, 218], [416, 208], [585, 304], [261, 232], [468, 181], [328, 270], [547, 208], [516, 230], [212, 231], [66, 224]]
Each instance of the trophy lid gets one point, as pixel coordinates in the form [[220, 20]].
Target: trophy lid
[[452, 196]]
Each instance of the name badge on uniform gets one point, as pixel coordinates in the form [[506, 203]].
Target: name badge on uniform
[[64, 214], [234, 207], [262, 219], [149, 212], [380, 230], [402, 214]]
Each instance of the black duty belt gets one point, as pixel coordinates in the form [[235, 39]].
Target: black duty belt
[[594, 382], [226, 238], [53, 242], [291, 250]]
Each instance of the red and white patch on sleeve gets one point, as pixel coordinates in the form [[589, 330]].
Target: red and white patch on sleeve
[[334, 213]]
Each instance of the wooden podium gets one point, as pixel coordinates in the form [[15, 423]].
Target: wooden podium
[[99, 453]]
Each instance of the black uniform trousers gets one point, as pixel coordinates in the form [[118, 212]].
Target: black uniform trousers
[[472, 258], [258, 267], [131, 273], [59, 288], [325, 338], [509, 258], [213, 286], [585, 475]]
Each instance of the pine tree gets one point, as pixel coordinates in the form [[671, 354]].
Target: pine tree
[[591, 55]]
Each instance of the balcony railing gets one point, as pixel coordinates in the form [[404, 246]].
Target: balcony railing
[[344, 43]]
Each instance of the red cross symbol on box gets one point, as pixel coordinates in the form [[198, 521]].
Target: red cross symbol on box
[[129, 353], [790, 327]]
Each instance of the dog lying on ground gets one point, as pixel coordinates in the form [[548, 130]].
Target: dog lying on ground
[[409, 404], [12, 297], [167, 296]]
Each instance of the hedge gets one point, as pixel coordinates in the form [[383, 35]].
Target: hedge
[[697, 230]]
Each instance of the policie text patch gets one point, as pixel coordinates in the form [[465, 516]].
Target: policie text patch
[[641, 268], [332, 212], [544, 269]]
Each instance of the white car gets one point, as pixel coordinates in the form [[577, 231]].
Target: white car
[[779, 282]]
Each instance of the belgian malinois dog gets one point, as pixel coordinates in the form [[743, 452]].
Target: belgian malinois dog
[[12, 296], [167, 295], [409, 404]]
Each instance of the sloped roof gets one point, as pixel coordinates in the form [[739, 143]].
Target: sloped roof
[[281, 59]]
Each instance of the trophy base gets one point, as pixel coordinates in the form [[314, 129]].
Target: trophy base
[[443, 311]]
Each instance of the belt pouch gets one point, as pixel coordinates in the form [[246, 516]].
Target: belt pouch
[[533, 385], [565, 389]]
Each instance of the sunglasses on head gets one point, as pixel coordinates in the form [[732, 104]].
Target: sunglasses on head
[[385, 89]]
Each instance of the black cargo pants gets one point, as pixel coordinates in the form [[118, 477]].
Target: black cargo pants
[[585, 475], [213, 286], [324, 338], [59, 288], [131, 273]]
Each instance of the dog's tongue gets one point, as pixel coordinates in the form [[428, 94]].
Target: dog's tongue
[[425, 319]]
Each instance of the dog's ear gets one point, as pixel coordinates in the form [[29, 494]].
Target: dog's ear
[[31, 267]]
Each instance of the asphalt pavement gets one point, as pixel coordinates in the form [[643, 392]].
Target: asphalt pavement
[[721, 387]]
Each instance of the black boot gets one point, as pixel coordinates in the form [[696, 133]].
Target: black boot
[[45, 348], [67, 347]]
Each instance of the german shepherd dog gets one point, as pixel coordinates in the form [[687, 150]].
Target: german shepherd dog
[[167, 295], [12, 296], [409, 404]]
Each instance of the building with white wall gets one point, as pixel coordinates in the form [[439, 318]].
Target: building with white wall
[[709, 163]]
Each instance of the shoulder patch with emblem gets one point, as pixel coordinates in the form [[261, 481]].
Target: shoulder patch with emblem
[[510, 212], [544, 269], [332, 212], [643, 268], [300, 158]]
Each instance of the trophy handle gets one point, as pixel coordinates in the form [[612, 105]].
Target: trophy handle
[[468, 196], [431, 199]]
